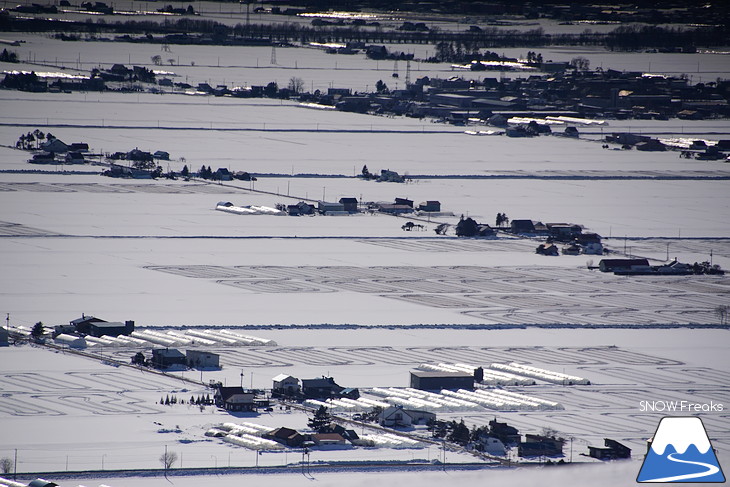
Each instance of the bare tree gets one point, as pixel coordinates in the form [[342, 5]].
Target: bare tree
[[168, 459], [580, 63], [6, 465], [296, 84], [156, 59], [721, 312]]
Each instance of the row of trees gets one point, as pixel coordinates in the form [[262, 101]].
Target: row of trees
[[25, 141], [197, 401], [621, 38]]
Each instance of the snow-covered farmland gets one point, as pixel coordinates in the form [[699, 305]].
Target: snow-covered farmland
[[352, 297]]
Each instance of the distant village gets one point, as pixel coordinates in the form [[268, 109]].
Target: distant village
[[395, 417], [568, 97]]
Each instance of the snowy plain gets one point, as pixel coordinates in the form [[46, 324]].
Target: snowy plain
[[158, 253]]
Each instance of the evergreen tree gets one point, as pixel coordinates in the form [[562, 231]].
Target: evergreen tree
[[185, 171], [38, 330], [460, 433], [321, 420]]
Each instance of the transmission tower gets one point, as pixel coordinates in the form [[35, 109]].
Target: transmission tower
[[408, 74], [273, 54]]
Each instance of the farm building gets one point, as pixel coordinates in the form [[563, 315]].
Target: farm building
[[394, 209], [328, 439], [327, 208], [349, 204], [623, 265], [234, 399], [522, 226], [286, 384], [199, 359], [563, 231], [82, 324], [112, 328], [163, 358], [434, 381], [396, 416], [4, 337], [538, 445], [613, 450], [404, 201], [300, 208], [323, 387], [431, 206], [285, 436]]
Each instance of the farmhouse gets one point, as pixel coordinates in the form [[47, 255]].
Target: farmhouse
[[433, 381], [328, 439], [201, 360], [234, 399], [4, 337], [286, 384], [163, 358], [285, 436], [613, 450], [396, 416], [322, 387]]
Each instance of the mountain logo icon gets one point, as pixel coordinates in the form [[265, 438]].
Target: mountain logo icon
[[681, 452]]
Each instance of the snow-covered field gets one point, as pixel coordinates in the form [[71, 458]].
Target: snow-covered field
[[158, 253]]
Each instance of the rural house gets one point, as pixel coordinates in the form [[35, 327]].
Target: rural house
[[286, 385], [396, 416], [234, 399], [163, 358]]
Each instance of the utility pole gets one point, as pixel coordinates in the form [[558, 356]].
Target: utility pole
[[15, 466], [165, 461]]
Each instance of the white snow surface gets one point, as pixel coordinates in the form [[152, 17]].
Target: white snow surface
[[157, 252]]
